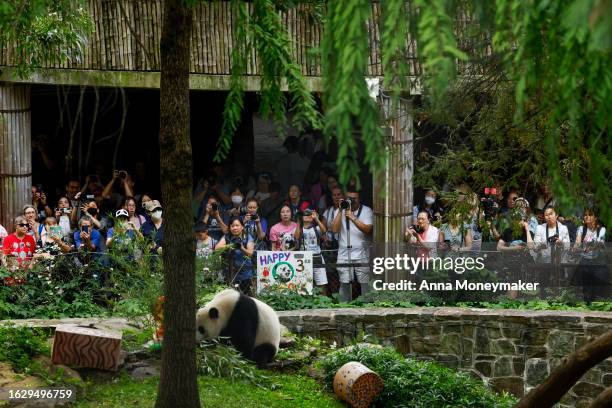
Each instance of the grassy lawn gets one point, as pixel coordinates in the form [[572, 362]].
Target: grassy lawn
[[296, 391]]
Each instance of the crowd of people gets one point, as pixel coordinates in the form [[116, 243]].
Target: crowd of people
[[245, 214]]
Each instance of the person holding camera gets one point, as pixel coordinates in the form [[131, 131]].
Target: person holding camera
[[551, 233], [423, 234], [353, 224], [121, 180], [237, 206], [87, 238], [241, 247], [65, 215], [286, 226], [255, 225], [590, 245], [308, 235], [212, 219], [39, 201], [53, 241]]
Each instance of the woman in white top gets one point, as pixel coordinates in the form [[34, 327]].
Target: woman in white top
[[592, 274], [425, 235]]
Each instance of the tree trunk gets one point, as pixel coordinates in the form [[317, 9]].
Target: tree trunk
[[178, 383], [603, 400], [565, 376]]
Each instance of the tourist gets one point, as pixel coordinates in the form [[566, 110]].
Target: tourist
[[255, 225], [205, 244], [18, 246], [430, 204], [455, 235], [308, 235], [53, 241], [212, 219], [241, 252], [269, 208], [423, 235], [87, 238], [31, 216], [123, 232], [353, 225], [281, 234], [590, 244], [295, 202], [154, 228], [137, 219], [262, 191], [65, 216]]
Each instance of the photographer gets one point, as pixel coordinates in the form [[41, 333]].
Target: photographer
[[65, 215], [552, 232], [590, 244], [39, 201], [308, 235], [354, 223], [241, 251], [255, 225], [330, 241], [212, 219], [121, 179], [87, 237], [285, 226], [53, 242], [423, 234]]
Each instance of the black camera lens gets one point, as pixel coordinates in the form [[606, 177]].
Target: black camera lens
[[214, 206], [254, 217], [553, 239], [345, 204]]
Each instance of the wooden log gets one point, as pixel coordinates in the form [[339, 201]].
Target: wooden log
[[565, 376], [603, 400], [357, 384], [86, 347]]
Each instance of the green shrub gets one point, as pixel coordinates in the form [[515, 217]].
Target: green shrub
[[287, 299], [19, 344], [411, 383]]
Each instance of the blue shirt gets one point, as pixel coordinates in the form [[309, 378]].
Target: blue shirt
[[94, 237]]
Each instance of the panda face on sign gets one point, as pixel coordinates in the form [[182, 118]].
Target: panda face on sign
[[287, 242]]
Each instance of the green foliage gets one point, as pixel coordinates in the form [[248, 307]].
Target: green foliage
[[414, 383], [264, 31], [19, 344], [43, 31], [287, 299], [64, 287], [347, 103], [216, 359]]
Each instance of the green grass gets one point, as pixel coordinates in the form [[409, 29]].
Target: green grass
[[295, 391]]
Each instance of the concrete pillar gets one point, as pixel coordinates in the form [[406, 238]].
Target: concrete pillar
[[15, 151], [393, 188]]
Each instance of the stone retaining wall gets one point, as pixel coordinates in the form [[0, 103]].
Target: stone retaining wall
[[511, 350]]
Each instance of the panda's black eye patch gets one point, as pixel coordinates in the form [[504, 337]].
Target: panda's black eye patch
[[213, 313], [201, 330]]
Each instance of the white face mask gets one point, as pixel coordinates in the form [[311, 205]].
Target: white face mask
[[236, 200], [429, 200], [156, 215]]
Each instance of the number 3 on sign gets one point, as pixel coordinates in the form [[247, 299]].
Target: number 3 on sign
[[300, 267]]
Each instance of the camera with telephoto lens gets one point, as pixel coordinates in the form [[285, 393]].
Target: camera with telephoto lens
[[345, 204], [214, 207], [254, 217], [553, 239], [489, 203], [417, 229]]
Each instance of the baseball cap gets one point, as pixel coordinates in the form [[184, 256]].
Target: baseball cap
[[122, 213]]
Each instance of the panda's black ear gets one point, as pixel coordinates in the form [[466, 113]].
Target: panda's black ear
[[213, 313]]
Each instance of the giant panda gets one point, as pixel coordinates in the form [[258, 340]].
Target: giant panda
[[251, 325]]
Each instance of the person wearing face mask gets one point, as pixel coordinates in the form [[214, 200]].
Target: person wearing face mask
[[237, 206], [154, 228], [429, 204]]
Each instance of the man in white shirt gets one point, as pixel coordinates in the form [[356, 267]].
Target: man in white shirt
[[354, 225], [552, 232]]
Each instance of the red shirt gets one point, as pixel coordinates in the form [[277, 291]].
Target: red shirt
[[22, 249]]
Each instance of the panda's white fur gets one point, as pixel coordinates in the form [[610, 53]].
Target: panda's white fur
[[258, 343]]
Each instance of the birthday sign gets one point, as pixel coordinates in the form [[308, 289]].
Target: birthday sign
[[290, 269]]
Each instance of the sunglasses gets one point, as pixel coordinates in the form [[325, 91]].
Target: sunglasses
[[23, 225]]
